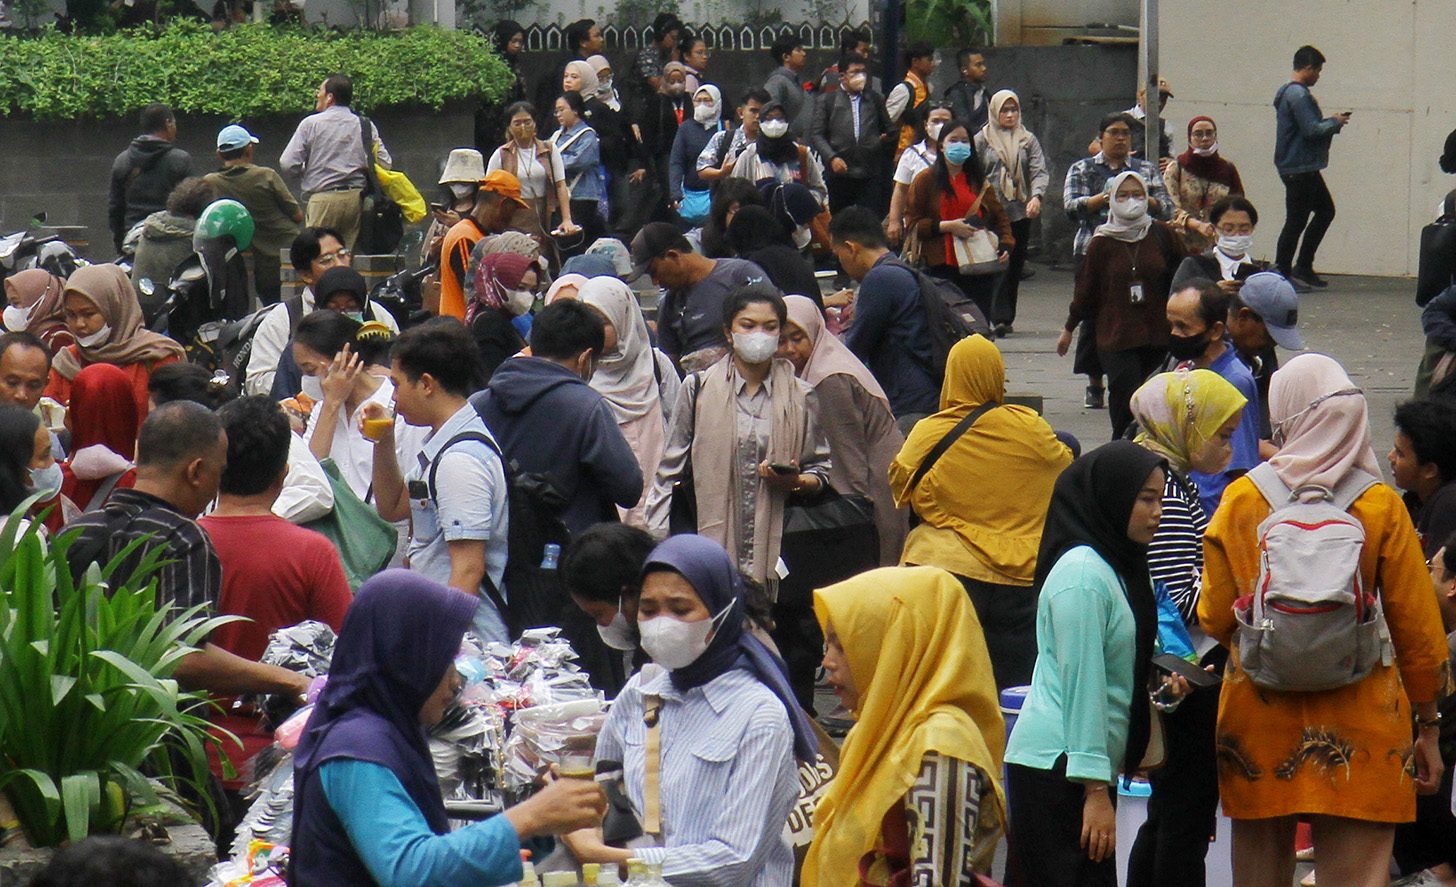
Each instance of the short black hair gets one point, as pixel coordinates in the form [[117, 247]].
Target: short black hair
[[851, 59], [306, 248], [443, 348], [1431, 427], [156, 117], [515, 108], [575, 102], [849, 41], [566, 328], [919, 50], [341, 87], [577, 32], [114, 861], [187, 381], [24, 339], [604, 562], [689, 41], [1235, 202], [326, 331], [177, 432], [1448, 561], [784, 46], [972, 169], [258, 436], [664, 24], [191, 196], [965, 53], [741, 297], [730, 191], [858, 224], [234, 154], [1118, 117], [1307, 56], [754, 94], [1213, 303], [17, 445]]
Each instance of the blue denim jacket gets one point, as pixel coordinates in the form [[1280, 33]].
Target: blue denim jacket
[[1302, 139], [582, 157]]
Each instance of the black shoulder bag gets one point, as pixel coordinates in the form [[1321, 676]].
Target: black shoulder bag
[[381, 221], [941, 447]]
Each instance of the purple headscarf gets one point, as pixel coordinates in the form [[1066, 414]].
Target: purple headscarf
[[712, 574]]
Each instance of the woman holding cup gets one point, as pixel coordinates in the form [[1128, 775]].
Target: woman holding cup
[[340, 358]]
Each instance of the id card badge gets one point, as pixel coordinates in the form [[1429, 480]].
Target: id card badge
[[1135, 294]]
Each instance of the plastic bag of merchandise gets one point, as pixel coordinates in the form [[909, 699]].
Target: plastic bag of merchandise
[[307, 648], [270, 818], [561, 733]]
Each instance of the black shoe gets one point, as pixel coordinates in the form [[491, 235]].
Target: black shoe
[[1003, 330], [1096, 398], [1309, 278]]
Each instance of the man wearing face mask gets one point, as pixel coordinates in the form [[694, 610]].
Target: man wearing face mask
[[1231, 259], [551, 423], [602, 571], [851, 129], [1198, 339]]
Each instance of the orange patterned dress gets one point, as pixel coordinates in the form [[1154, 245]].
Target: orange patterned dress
[[1345, 752]]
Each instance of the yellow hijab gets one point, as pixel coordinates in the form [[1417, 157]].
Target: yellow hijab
[[992, 487], [918, 657], [1179, 412]]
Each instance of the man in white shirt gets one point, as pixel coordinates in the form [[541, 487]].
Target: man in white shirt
[[455, 493], [314, 251]]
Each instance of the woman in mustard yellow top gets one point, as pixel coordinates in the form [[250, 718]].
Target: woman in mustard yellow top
[[983, 503], [1343, 757]]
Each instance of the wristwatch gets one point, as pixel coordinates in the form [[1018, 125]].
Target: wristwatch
[[1433, 723]]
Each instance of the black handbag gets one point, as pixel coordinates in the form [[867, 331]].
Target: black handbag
[[826, 540], [381, 220], [682, 514]]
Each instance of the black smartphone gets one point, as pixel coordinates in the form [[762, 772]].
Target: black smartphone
[[780, 468], [1175, 664]]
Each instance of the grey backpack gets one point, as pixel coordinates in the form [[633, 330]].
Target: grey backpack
[[1310, 624]]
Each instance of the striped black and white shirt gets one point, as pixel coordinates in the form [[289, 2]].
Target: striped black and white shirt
[[191, 573], [1175, 557]]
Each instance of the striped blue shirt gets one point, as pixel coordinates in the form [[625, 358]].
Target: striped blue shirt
[[728, 778]]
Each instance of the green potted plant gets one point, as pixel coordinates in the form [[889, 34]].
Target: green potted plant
[[87, 699]]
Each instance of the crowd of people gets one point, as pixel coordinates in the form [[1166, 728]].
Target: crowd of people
[[762, 479]]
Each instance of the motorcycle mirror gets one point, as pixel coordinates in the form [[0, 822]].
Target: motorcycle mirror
[[38, 220]]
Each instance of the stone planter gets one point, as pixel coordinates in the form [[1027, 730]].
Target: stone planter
[[191, 846]]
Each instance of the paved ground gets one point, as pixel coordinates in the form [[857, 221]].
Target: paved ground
[[1370, 324]]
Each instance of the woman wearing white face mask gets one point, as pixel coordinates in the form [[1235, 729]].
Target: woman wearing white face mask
[[34, 306], [335, 353], [1123, 286], [745, 437], [728, 731], [775, 157], [1198, 179], [917, 157], [27, 467], [689, 194], [103, 314], [504, 293]]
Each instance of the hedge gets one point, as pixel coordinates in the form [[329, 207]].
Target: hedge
[[248, 70]]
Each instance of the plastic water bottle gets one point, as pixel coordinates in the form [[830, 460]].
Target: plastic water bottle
[[551, 554]]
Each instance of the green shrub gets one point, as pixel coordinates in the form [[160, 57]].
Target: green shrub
[[86, 694], [248, 70], [949, 22]]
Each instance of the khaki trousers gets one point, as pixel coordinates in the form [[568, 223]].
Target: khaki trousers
[[338, 210]]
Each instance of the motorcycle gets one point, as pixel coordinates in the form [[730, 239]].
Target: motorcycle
[[30, 248], [400, 295]]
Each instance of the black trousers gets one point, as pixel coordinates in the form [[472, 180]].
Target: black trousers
[[845, 191], [1182, 812], [1003, 308], [1126, 370], [1304, 194], [1431, 839], [1046, 831], [801, 642], [1008, 621]]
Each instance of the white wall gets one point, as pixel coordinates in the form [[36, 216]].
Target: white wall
[[1388, 62]]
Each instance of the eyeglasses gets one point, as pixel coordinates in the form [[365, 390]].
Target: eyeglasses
[[523, 124], [1117, 133], [333, 258]]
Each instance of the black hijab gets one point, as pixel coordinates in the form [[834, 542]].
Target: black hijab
[[1091, 505], [501, 35]]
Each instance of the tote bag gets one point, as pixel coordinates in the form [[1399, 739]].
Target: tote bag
[[366, 541]]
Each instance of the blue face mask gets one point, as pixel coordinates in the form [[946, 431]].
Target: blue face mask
[[957, 152]]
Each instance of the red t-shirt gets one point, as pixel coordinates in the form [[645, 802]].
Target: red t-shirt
[[276, 574]]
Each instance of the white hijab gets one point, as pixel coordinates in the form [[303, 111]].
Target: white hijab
[[626, 377], [1117, 226], [606, 91], [717, 97]]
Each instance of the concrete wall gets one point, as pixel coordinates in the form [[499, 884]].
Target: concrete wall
[[1389, 62], [1048, 22]]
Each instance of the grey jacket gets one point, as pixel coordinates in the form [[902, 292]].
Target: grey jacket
[[831, 132]]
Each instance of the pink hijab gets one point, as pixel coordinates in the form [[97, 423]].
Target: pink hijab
[[575, 281], [1324, 422], [830, 355]]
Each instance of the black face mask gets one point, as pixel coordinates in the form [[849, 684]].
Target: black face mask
[[1187, 347]]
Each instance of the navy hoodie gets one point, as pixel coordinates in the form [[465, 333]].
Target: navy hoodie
[[548, 420]]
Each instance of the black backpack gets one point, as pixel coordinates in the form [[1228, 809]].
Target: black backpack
[[1437, 268], [232, 342], [950, 315], [534, 505]]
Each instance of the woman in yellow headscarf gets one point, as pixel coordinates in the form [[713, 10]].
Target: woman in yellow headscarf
[[918, 795], [983, 502], [1189, 418]]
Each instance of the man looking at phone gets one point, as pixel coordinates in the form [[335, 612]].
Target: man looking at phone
[[1301, 150]]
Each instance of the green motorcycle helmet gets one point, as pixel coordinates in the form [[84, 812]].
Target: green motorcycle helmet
[[223, 217]]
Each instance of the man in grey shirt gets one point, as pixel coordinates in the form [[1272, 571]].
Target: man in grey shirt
[[327, 152]]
